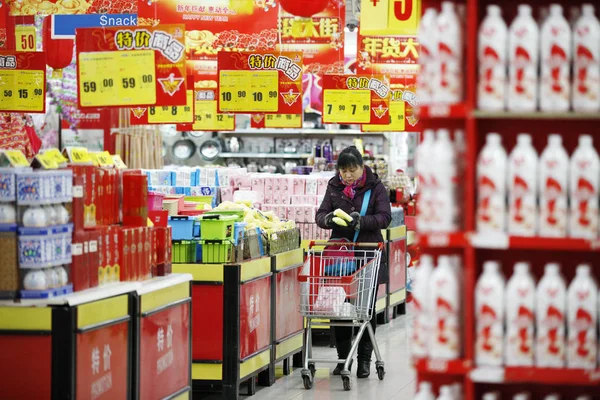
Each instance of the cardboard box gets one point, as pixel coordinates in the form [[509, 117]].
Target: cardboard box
[[322, 184], [299, 185], [311, 186]]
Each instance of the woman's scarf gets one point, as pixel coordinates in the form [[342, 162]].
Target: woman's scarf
[[350, 189]]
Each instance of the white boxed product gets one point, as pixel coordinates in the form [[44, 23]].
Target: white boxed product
[[312, 185]]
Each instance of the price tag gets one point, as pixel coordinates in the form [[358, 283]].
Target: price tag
[[249, 91], [117, 78], [55, 155], [283, 121], [118, 162], [101, 159], [16, 158], [22, 82], [47, 161], [206, 117], [348, 106], [25, 38], [173, 114], [79, 155], [397, 118]]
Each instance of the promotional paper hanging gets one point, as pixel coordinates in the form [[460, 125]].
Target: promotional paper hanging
[[390, 17], [22, 82], [356, 99], [131, 66], [25, 38], [206, 117], [276, 121], [260, 82], [164, 114]]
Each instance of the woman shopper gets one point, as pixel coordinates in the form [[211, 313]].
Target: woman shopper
[[346, 191]]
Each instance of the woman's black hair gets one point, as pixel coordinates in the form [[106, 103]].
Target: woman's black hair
[[349, 157]]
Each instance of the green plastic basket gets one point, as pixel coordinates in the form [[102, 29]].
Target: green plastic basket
[[217, 227], [217, 252], [239, 214], [184, 251]]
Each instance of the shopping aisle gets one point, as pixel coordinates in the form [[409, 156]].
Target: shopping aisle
[[399, 382]]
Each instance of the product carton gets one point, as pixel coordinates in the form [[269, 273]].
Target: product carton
[[312, 185], [94, 261], [299, 185], [80, 274], [322, 184]]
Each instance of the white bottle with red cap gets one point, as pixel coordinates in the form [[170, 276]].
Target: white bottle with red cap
[[491, 185], [493, 37], [553, 180], [444, 304], [551, 303], [582, 319], [420, 308], [584, 186], [444, 180], [555, 56], [426, 218], [522, 188], [520, 313], [428, 77], [489, 316], [523, 59], [586, 61], [450, 56]]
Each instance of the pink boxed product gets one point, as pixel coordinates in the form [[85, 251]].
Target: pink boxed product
[[269, 184], [307, 232], [299, 213], [257, 181], [322, 186], [285, 184], [268, 198], [285, 199], [299, 183], [283, 212], [294, 199], [226, 194], [311, 186], [309, 214]]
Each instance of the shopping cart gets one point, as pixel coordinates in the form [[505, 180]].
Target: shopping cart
[[337, 284]]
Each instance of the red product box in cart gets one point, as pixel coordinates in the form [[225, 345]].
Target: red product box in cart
[[80, 273]]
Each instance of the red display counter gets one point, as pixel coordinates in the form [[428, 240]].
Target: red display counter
[[396, 252]]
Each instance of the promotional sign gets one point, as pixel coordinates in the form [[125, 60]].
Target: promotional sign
[[260, 83], [131, 66], [25, 38], [164, 352], [64, 26], [356, 99], [164, 114], [206, 117], [50, 7], [276, 121], [255, 316], [102, 355], [390, 17], [23, 82]]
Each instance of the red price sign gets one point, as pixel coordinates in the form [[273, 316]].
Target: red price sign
[[276, 121], [22, 82], [255, 316], [131, 66]]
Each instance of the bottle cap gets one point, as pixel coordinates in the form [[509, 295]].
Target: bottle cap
[[443, 134], [588, 10], [445, 391], [425, 386], [586, 141], [521, 268], [524, 9], [444, 261], [426, 259], [555, 140], [428, 134], [491, 267], [447, 6], [494, 10], [491, 396], [524, 139], [556, 9], [584, 270], [552, 269], [493, 138]]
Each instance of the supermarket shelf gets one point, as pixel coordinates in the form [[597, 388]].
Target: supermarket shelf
[[454, 111], [443, 240], [504, 242], [264, 155], [301, 132], [448, 367], [535, 115], [551, 376]]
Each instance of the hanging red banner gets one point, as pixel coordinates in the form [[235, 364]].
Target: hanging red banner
[[131, 66], [22, 82], [260, 83], [50, 7]]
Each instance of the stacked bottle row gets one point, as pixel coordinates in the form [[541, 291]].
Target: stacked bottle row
[[437, 309], [549, 196], [447, 392], [549, 325], [440, 165], [526, 67]]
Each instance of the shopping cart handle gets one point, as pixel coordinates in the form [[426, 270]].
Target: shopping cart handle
[[318, 243]]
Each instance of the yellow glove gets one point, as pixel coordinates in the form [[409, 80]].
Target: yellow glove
[[343, 215], [339, 221]]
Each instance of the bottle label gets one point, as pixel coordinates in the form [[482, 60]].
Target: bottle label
[[519, 347], [582, 347], [550, 348], [522, 78], [490, 207], [522, 205], [553, 205]]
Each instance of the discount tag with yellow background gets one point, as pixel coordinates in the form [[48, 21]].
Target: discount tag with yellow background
[[206, 116], [23, 82], [389, 17], [25, 39], [276, 121], [164, 114]]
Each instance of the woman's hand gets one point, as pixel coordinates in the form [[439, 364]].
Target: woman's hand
[[355, 224], [329, 220]]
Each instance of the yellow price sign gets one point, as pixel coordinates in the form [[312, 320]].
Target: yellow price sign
[[173, 114], [206, 117], [25, 38], [118, 162], [389, 17], [117, 78], [397, 119], [283, 121], [47, 161], [346, 106], [16, 158], [22, 90], [249, 91], [79, 155], [55, 154], [101, 159]]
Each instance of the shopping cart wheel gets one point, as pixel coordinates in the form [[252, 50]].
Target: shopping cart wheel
[[380, 372], [313, 369], [308, 382], [347, 383]]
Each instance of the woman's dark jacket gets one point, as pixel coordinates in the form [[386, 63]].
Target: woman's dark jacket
[[378, 216]]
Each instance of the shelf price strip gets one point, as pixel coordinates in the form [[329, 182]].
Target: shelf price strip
[[356, 99], [206, 117], [260, 82], [22, 82], [131, 66]]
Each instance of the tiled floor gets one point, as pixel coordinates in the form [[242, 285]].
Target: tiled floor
[[399, 382]]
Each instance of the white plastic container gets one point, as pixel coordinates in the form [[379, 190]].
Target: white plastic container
[[420, 308], [520, 313], [445, 393], [450, 55], [586, 61], [425, 392], [444, 182], [491, 186], [425, 169], [522, 188], [489, 316], [551, 302], [523, 58], [584, 186], [428, 76], [492, 54], [555, 56], [554, 174], [582, 319], [445, 339]]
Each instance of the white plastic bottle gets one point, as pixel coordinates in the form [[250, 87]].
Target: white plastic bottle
[[520, 313], [491, 186], [551, 302], [554, 175], [425, 392], [522, 396], [445, 183], [445, 305], [489, 316], [421, 311], [523, 57], [586, 61], [555, 55], [445, 393], [426, 190], [552, 396], [493, 38], [450, 55], [491, 396], [582, 318], [428, 76], [522, 188], [584, 186]]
